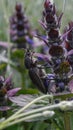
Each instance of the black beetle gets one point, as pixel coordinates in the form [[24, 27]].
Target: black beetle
[[29, 62], [35, 71]]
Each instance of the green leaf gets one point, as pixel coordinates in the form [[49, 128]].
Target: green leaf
[[71, 121], [18, 54], [63, 96], [28, 91], [2, 68]]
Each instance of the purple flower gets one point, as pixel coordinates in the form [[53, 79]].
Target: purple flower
[[20, 28], [69, 37], [4, 108], [30, 41], [5, 92], [12, 92]]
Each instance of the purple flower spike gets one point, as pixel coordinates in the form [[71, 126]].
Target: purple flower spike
[[20, 28], [57, 61]]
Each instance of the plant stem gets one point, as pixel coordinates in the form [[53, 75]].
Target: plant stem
[[38, 115], [28, 115], [27, 106], [22, 73], [67, 121], [53, 107], [23, 80], [6, 17]]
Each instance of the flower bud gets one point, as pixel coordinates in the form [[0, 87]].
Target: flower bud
[[48, 114]]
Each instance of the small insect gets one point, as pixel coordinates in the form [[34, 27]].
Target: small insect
[[36, 73], [28, 61]]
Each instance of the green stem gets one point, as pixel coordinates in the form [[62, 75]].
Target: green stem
[[6, 17], [23, 79], [4, 125], [21, 61], [67, 121]]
